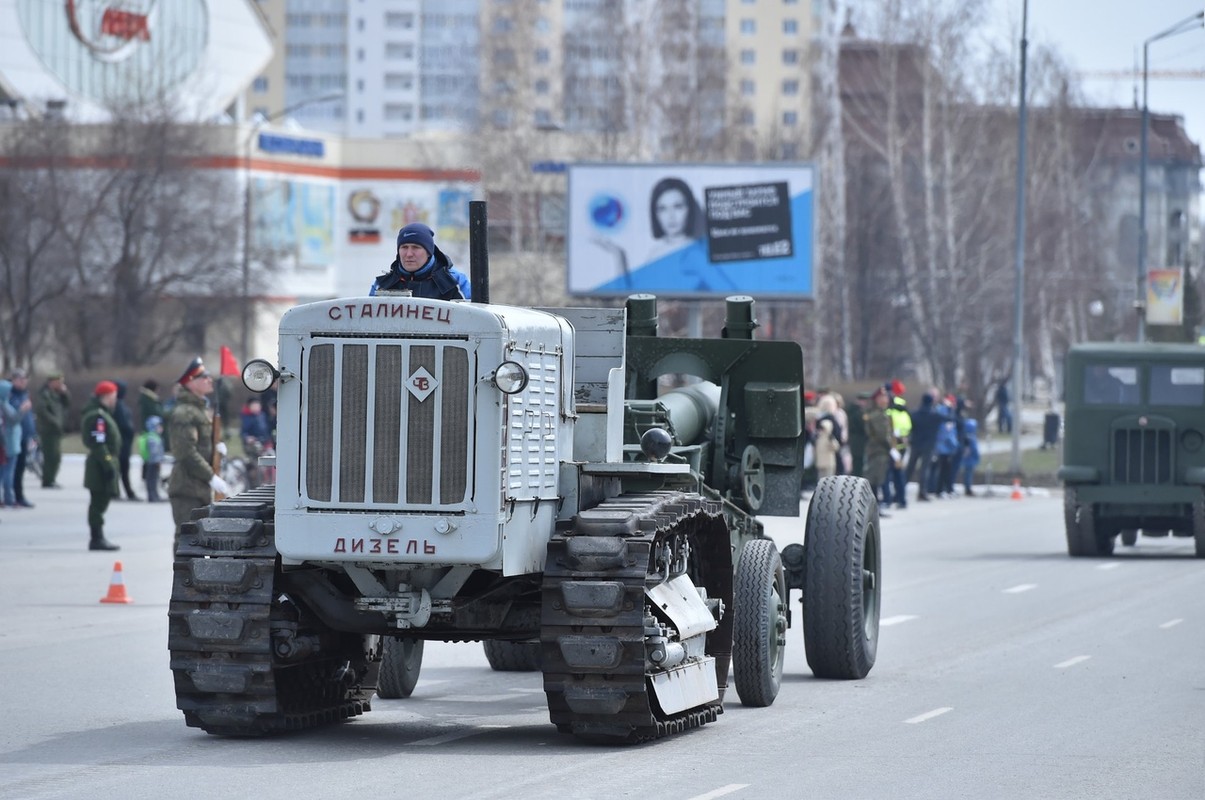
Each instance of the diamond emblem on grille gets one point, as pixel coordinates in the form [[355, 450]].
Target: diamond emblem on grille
[[421, 384]]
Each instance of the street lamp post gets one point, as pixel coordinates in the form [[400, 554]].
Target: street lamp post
[[1195, 21], [245, 334]]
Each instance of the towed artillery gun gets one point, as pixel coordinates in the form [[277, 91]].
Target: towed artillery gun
[[463, 471]]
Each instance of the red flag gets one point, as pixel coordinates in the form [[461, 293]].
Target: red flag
[[229, 365]]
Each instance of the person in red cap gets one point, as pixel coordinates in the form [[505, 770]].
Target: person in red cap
[[103, 440], [190, 430]]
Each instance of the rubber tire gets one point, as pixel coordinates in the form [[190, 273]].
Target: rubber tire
[[842, 578], [1198, 525], [401, 661], [507, 656], [759, 623], [1129, 536], [1080, 525]]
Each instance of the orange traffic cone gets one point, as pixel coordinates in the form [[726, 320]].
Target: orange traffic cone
[[1017, 489], [117, 587]]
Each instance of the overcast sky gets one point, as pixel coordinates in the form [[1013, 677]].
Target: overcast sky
[[1108, 35]]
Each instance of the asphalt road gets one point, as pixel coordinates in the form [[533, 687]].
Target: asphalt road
[[1005, 669]]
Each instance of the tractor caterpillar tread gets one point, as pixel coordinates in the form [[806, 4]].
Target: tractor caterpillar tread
[[226, 623], [594, 608]]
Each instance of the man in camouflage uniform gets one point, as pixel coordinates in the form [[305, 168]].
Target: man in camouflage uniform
[[50, 413], [193, 481], [879, 441], [103, 440]]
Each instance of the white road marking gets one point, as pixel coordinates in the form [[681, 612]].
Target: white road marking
[[451, 737], [720, 792], [1021, 587], [1071, 662], [896, 620], [1110, 565], [1171, 623], [937, 712]]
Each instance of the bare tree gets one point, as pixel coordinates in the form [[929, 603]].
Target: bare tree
[[122, 246]]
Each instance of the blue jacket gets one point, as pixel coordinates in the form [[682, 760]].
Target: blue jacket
[[437, 280], [947, 433], [970, 443], [29, 428], [925, 424]]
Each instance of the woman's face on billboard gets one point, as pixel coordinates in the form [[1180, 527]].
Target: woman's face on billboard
[[671, 210]]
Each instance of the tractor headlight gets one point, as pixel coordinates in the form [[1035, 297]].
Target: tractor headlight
[[259, 375], [510, 377]]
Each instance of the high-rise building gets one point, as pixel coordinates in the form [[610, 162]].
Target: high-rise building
[[655, 70]]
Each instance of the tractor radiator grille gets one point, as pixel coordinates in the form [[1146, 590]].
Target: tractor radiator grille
[[387, 423], [1142, 455]]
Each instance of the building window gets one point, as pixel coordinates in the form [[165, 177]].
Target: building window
[[790, 56], [360, 54], [501, 118], [790, 151], [542, 118], [790, 87], [542, 86], [790, 27], [359, 115], [260, 84], [543, 55], [399, 51], [790, 118], [748, 87], [398, 111], [397, 82], [748, 27], [747, 117], [399, 20], [359, 23], [503, 25], [748, 56]]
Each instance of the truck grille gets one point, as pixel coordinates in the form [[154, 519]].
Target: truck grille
[[1142, 455], [387, 423]]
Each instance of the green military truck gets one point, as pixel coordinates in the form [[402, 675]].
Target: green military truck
[[1134, 445]]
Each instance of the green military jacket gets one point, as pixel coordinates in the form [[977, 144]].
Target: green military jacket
[[50, 413], [190, 429], [103, 441], [879, 436]]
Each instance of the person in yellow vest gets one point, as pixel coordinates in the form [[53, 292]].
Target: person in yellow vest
[[895, 490]]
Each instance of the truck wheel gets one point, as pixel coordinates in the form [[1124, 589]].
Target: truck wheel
[[842, 578], [512, 656], [1198, 525], [1129, 536], [759, 623], [401, 660], [1080, 524]]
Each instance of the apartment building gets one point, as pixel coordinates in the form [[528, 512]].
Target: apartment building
[[734, 67]]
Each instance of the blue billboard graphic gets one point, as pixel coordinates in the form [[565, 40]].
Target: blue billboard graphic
[[690, 230]]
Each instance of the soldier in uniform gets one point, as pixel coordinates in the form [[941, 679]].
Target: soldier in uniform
[[103, 440], [193, 480], [50, 413], [879, 440]]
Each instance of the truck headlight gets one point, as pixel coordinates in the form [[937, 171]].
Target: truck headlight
[[259, 375], [510, 377]]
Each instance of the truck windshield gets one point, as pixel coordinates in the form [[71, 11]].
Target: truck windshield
[[1112, 385], [1177, 386]]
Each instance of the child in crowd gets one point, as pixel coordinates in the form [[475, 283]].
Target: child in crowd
[[150, 448], [970, 455]]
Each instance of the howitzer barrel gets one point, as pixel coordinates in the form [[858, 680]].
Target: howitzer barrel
[[691, 409]]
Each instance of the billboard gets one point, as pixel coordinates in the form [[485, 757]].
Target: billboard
[[691, 230]]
